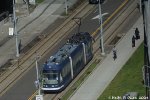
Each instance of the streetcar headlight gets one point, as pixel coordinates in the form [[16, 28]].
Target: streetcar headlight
[[44, 86]]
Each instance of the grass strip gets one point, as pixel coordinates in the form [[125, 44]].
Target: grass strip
[[129, 77], [39, 1]]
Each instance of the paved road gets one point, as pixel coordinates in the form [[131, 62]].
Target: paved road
[[25, 86]]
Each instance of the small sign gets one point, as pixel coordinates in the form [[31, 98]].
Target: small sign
[[36, 84], [39, 97], [11, 31]]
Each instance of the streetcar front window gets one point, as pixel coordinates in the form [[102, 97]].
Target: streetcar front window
[[50, 77]]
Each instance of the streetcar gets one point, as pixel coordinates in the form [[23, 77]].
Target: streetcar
[[61, 68]]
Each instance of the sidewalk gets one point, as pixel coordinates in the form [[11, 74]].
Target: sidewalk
[[31, 26], [96, 83]]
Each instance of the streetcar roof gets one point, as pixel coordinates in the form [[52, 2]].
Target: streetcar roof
[[63, 53]]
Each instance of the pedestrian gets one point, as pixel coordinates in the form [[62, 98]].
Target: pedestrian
[[114, 53], [133, 41], [19, 46], [137, 33], [138, 6]]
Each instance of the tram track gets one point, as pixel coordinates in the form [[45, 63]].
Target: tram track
[[41, 48]]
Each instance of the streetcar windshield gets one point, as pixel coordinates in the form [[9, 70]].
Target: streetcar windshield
[[50, 77]]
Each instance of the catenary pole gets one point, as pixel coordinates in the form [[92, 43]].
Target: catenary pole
[[66, 7], [101, 32], [15, 28], [27, 4], [140, 3], [37, 74]]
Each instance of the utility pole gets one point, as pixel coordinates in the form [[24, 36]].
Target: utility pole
[[101, 32], [37, 74], [38, 84], [140, 5], [27, 4], [15, 28], [66, 7]]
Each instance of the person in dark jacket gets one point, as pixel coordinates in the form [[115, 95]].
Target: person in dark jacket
[[137, 35], [114, 53], [133, 41]]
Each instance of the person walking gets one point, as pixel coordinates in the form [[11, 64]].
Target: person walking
[[137, 35], [19, 46], [133, 41], [114, 53]]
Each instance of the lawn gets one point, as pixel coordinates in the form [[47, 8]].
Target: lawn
[[39, 1], [129, 78]]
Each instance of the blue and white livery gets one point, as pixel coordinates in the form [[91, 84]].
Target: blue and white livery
[[61, 68]]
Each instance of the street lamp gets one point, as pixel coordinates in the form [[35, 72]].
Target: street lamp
[[101, 32], [15, 28], [140, 5], [27, 4], [37, 74], [37, 83], [66, 7]]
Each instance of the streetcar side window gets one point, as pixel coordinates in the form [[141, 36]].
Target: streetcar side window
[[65, 70], [93, 1]]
